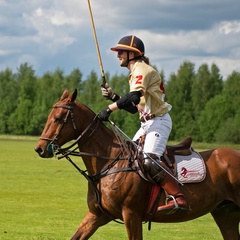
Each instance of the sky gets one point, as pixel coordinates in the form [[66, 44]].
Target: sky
[[58, 33]]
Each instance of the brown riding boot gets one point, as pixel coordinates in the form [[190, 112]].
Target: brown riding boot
[[175, 199]]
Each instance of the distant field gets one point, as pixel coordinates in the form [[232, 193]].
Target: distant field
[[45, 199]]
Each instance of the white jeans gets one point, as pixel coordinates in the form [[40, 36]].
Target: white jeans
[[157, 131]]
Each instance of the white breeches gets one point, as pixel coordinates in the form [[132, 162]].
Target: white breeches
[[157, 131]]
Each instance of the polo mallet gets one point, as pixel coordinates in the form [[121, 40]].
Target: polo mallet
[[126, 136], [97, 47]]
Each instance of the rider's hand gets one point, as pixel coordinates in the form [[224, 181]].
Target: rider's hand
[[107, 92], [104, 114]]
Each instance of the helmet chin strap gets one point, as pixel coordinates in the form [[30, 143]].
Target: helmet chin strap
[[132, 59], [127, 62]]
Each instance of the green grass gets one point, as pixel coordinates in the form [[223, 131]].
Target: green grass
[[45, 199]]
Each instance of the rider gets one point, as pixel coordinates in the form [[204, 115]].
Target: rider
[[146, 96]]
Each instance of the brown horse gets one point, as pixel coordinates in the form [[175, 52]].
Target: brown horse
[[115, 192]]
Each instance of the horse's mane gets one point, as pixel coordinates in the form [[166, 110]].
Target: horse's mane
[[93, 113], [89, 109]]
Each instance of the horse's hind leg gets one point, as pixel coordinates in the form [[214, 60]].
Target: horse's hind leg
[[227, 219], [89, 225]]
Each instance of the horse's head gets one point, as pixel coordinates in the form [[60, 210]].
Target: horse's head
[[63, 124]]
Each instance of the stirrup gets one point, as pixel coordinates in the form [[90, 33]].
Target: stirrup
[[174, 200], [171, 210], [176, 208]]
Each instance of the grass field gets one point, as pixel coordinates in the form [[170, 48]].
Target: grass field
[[45, 199]]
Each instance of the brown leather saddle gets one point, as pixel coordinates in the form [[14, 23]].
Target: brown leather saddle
[[183, 148]]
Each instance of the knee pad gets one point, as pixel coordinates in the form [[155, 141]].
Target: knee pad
[[147, 164], [155, 172], [151, 167]]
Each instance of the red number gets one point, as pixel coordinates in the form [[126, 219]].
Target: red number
[[162, 87], [139, 79]]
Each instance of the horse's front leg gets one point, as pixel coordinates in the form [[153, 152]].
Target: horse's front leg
[[133, 224], [89, 225]]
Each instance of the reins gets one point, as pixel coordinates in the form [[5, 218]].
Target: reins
[[66, 152]]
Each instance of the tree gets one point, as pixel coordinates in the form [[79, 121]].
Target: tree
[[216, 80], [90, 92], [229, 130], [178, 94], [20, 120], [206, 85], [204, 106], [73, 80], [232, 91], [8, 96], [211, 118]]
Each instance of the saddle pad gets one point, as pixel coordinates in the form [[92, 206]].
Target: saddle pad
[[191, 168]]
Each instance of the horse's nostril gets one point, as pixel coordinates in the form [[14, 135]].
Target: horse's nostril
[[39, 150]]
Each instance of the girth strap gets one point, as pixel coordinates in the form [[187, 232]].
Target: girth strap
[[101, 175]]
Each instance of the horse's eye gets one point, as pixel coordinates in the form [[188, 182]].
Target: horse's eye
[[58, 120]]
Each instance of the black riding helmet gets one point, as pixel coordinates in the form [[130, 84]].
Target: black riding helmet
[[130, 43]]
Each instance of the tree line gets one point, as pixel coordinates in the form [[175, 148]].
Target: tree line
[[205, 106]]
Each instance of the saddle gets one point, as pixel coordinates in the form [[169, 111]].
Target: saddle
[[183, 148]]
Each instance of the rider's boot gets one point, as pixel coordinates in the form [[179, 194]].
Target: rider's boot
[[175, 199]]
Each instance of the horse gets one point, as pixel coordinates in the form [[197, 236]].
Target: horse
[[116, 192]]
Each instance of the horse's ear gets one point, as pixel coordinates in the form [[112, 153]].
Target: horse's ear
[[73, 96], [64, 95]]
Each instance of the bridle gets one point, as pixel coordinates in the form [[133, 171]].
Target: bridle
[[55, 148], [69, 108]]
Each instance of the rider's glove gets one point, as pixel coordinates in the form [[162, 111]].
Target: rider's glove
[[104, 114], [108, 93]]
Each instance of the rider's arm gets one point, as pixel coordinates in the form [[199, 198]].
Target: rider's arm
[[127, 102]]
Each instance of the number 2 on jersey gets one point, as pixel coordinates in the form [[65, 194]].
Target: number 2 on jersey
[[139, 79]]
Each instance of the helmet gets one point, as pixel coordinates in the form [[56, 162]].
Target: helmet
[[130, 43]]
